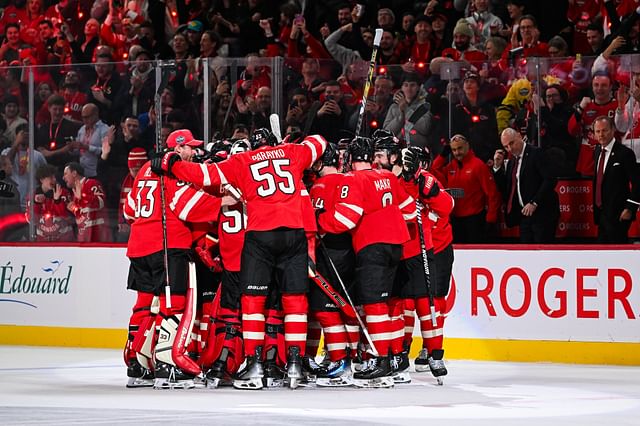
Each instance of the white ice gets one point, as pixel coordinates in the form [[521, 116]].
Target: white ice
[[42, 386]]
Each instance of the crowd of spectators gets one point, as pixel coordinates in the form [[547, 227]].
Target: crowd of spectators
[[444, 67]]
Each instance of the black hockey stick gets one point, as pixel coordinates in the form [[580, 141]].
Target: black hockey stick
[[161, 82], [346, 293], [425, 262], [367, 85]]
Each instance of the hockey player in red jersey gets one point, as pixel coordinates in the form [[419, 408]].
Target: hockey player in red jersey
[[439, 204], [340, 333], [147, 272], [270, 179], [226, 340], [373, 207]]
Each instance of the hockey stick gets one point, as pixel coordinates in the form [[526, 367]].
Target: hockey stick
[[425, 262], [160, 85], [367, 85], [328, 289], [346, 293], [274, 120]]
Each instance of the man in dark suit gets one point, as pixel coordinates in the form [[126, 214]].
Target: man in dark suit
[[528, 186], [616, 185]]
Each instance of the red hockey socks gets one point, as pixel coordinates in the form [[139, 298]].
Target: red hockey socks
[[314, 331], [295, 307], [431, 336], [252, 322], [409, 322], [396, 314], [379, 326], [335, 334]]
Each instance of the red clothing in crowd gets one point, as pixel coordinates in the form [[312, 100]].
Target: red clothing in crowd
[[474, 177], [52, 220], [90, 213]]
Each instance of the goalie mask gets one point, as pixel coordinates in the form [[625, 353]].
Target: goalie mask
[[262, 137]]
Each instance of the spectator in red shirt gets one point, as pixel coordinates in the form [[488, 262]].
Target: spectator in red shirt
[[527, 37]]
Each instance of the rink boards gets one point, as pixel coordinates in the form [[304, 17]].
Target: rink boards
[[574, 304]]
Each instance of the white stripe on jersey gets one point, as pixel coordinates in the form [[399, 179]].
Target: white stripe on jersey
[[176, 197], [406, 202], [314, 152], [353, 207], [343, 220], [189, 206]]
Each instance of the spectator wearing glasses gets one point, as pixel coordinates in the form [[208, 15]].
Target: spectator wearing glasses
[[90, 138]]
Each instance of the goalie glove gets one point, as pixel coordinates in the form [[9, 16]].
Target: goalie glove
[[162, 165]]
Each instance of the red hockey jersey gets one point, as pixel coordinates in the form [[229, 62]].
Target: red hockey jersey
[[269, 178], [90, 212], [373, 206], [582, 128], [232, 225], [183, 203], [52, 220]]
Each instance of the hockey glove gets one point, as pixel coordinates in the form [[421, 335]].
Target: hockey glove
[[204, 251], [410, 163], [428, 185], [162, 165]]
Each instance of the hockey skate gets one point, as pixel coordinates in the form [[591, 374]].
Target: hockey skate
[[400, 365], [312, 369], [250, 376], [273, 374], [338, 375], [436, 365], [217, 375], [422, 362], [294, 367], [377, 374], [139, 377], [169, 376]]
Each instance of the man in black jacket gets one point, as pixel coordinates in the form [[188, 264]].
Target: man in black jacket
[[528, 185], [616, 185]]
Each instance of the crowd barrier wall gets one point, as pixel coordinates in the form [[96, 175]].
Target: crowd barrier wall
[[573, 304]]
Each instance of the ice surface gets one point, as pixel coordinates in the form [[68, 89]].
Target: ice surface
[[42, 386]]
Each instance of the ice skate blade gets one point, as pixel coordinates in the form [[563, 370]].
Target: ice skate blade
[[213, 383], [294, 382], [270, 382], [249, 384], [336, 382], [439, 381], [401, 377], [378, 382], [421, 368], [169, 384], [136, 382]]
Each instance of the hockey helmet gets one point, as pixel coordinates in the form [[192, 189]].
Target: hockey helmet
[[385, 140], [331, 156], [241, 145], [262, 137], [424, 155], [360, 149]]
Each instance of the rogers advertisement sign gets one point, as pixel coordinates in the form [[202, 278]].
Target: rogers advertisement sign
[[576, 212], [582, 295]]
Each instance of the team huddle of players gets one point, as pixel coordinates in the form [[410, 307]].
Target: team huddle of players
[[305, 238]]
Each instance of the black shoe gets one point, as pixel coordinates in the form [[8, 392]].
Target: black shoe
[[377, 367], [400, 361]]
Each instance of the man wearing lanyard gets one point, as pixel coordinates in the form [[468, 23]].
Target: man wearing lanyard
[[55, 138]]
